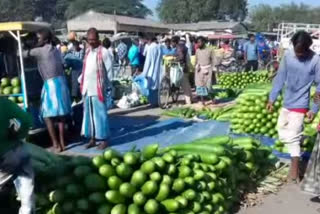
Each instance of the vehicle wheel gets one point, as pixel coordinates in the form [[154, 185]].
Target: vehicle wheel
[[240, 67], [261, 65], [164, 93], [272, 68], [175, 92], [233, 67]]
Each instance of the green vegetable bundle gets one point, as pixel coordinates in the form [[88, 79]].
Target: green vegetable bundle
[[241, 80], [220, 113], [204, 176], [251, 115], [10, 87]]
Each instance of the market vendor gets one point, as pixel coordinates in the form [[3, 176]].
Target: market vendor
[[168, 49], [55, 97], [298, 71], [152, 71], [14, 161], [251, 54], [94, 88], [182, 57], [133, 56], [73, 60], [204, 70]]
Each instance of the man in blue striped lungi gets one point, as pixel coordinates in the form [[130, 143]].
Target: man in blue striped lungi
[[55, 97], [94, 87]]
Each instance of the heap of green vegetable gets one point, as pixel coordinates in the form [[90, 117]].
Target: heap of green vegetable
[[251, 115], [224, 93], [241, 80], [219, 113], [205, 176]]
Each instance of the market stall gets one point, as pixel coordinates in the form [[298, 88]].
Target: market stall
[[17, 30], [20, 81]]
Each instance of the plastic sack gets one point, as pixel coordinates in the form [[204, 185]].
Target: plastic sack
[[176, 75], [124, 103], [134, 99], [140, 85]]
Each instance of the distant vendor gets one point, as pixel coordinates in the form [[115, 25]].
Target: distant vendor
[[55, 97]]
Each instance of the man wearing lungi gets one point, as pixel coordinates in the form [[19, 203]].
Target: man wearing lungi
[[55, 98], [204, 70], [95, 89]]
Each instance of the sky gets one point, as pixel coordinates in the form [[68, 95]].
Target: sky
[[153, 3]]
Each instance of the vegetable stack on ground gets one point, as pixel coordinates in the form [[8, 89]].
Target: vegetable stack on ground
[[205, 176], [251, 115], [220, 113], [241, 80]]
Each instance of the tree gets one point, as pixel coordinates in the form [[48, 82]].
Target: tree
[[134, 8], [265, 18], [188, 11], [58, 11], [17, 10]]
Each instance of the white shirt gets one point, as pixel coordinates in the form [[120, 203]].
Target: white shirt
[[90, 87], [70, 46], [146, 47], [111, 74]]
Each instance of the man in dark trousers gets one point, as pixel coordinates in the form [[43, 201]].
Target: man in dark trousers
[[251, 54]]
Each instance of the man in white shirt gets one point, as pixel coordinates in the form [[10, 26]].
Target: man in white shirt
[[95, 88]]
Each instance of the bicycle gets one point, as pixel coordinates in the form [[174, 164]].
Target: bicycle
[[169, 90]]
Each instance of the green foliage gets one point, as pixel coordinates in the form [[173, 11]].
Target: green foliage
[[57, 11], [186, 11], [265, 17], [134, 8]]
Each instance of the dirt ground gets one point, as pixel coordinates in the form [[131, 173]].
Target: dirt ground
[[290, 200]]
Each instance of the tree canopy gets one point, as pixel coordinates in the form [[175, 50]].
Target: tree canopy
[[134, 8], [188, 11], [264, 17], [57, 11]]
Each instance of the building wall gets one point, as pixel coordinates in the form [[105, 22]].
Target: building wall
[[143, 29], [83, 25]]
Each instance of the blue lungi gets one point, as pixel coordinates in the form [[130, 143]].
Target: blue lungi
[[202, 91], [55, 98], [95, 119], [153, 98]]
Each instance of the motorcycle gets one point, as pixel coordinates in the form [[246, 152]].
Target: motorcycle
[[229, 65]]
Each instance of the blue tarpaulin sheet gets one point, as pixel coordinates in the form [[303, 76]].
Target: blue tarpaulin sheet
[[130, 132]]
